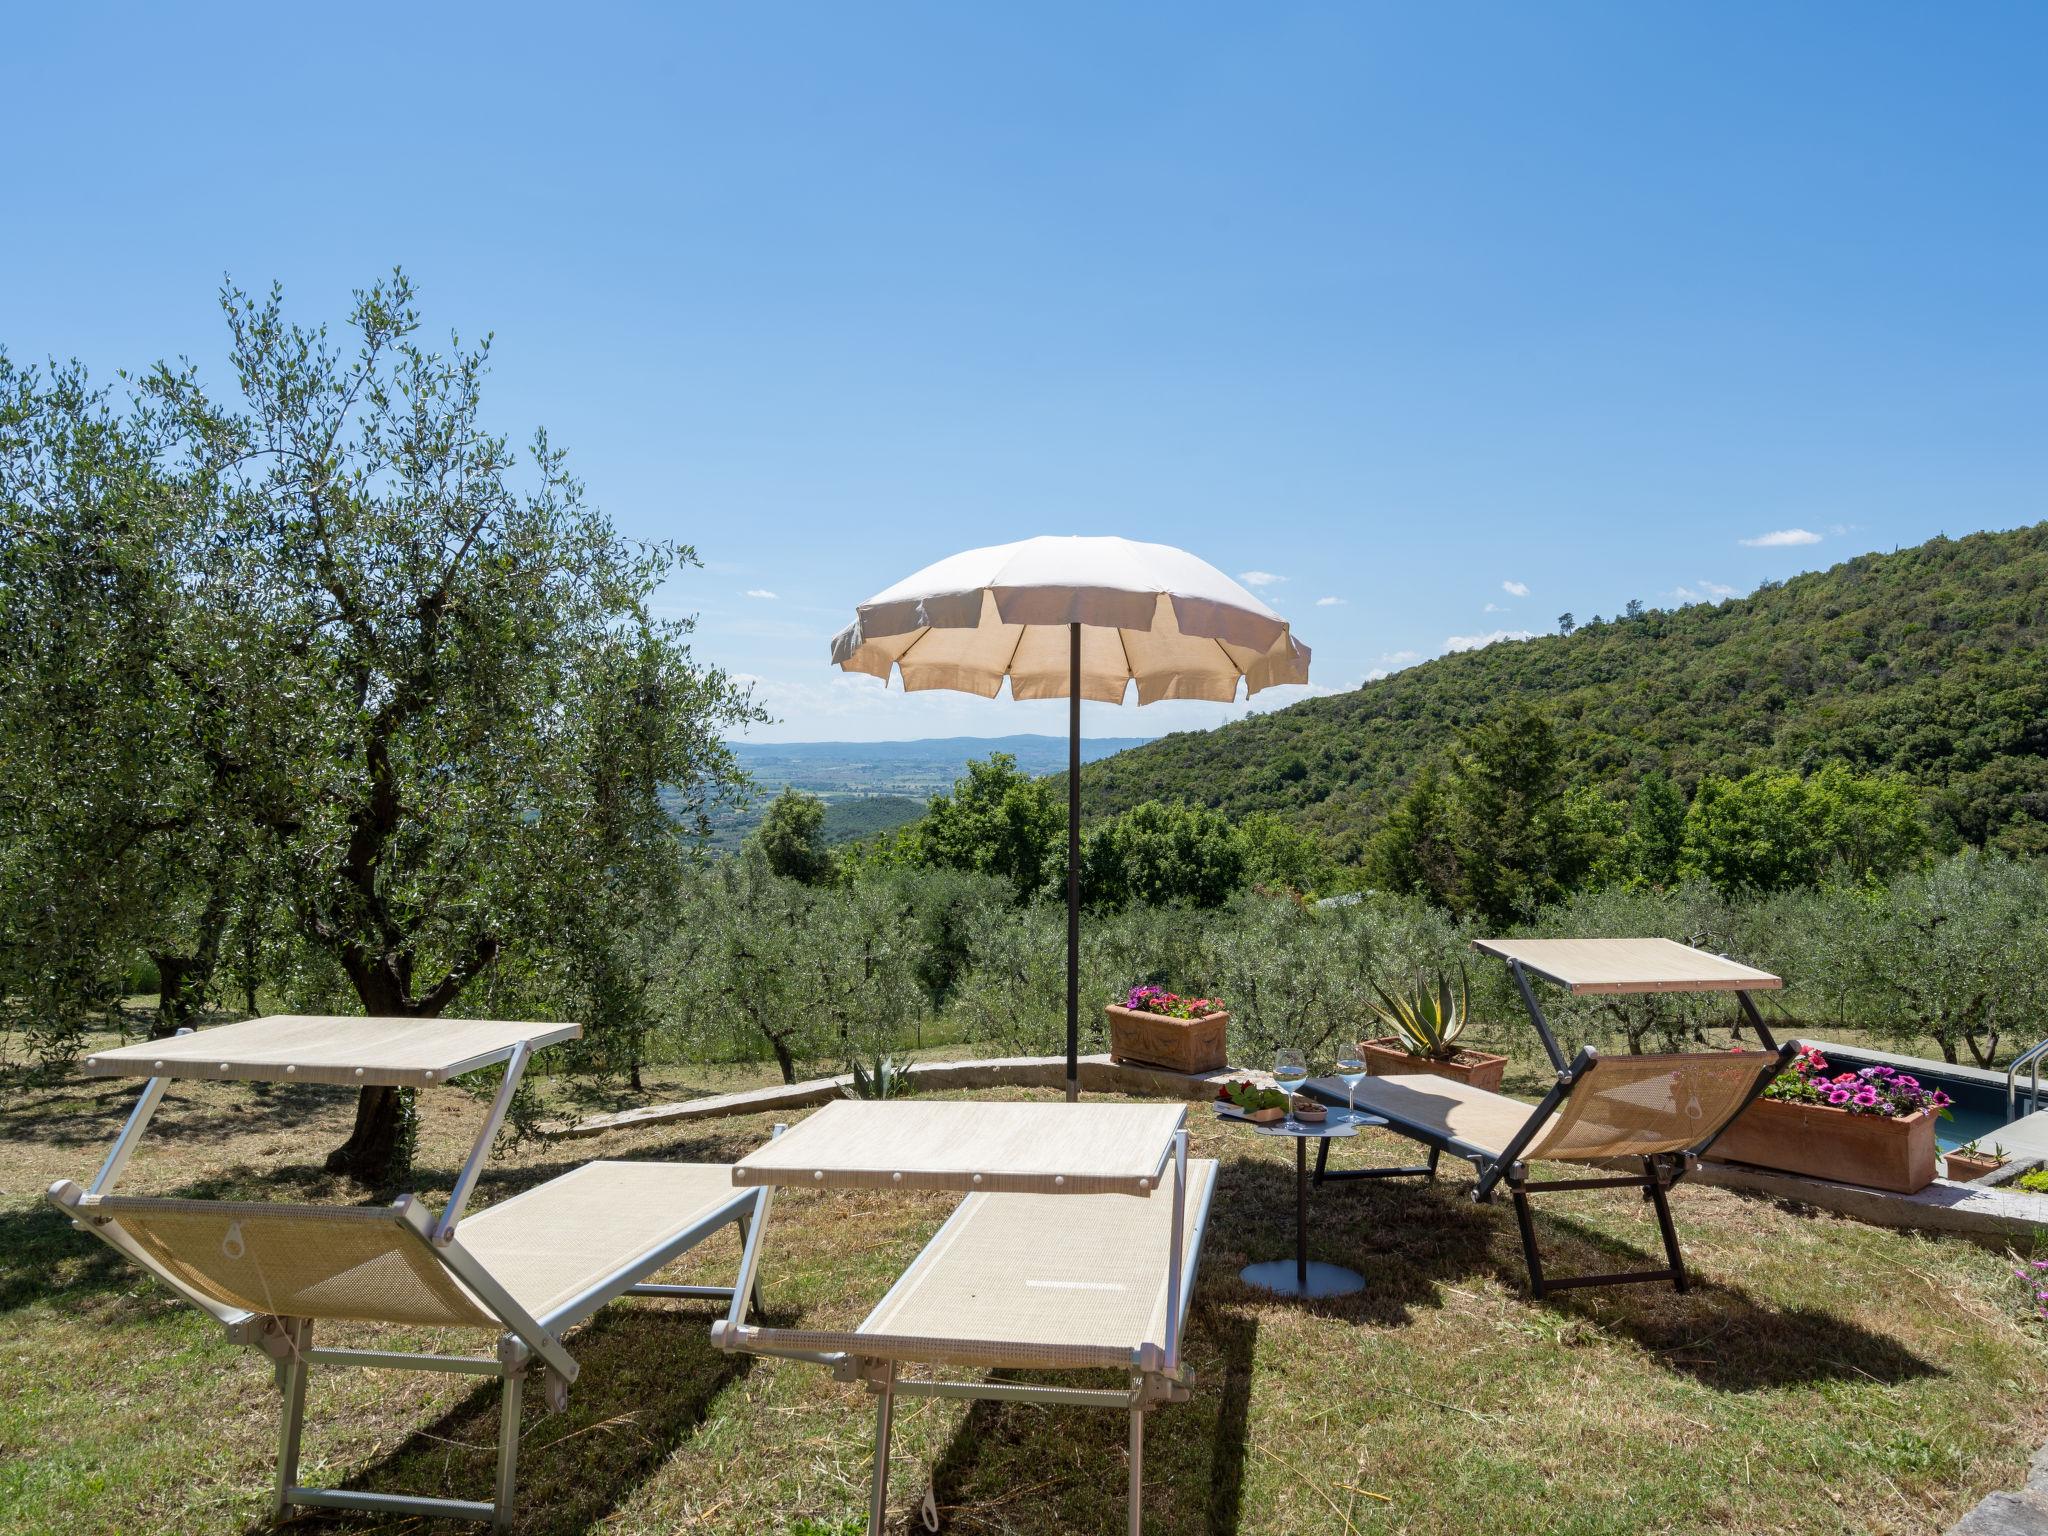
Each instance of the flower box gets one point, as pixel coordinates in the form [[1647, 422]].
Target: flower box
[[1388, 1058], [1965, 1166], [1880, 1151], [1158, 1040]]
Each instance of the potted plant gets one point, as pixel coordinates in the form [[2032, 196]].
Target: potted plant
[[1426, 1025], [1971, 1161], [1153, 1027], [1873, 1127]]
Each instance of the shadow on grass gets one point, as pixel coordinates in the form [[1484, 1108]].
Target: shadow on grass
[[1059, 1468], [1408, 1237], [44, 1258], [1404, 1237], [87, 1113], [649, 1377], [1719, 1335]]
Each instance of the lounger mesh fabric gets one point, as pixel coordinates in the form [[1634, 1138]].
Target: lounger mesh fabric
[[1074, 1149], [1636, 1106], [551, 1244], [1046, 1282], [353, 1264]]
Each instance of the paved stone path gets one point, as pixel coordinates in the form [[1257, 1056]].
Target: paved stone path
[[2023, 1513]]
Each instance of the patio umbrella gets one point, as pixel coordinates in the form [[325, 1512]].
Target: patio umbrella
[[1073, 618]]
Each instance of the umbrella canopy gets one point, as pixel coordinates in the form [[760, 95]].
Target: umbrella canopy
[[1149, 613], [1073, 618]]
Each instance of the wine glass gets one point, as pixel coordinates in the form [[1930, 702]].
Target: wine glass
[[1351, 1067], [1290, 1071]]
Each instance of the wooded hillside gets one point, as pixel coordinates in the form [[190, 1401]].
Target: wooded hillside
[[1928, 661]]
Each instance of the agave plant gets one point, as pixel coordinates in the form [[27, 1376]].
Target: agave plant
[[1428, 1022], [884, 1080]]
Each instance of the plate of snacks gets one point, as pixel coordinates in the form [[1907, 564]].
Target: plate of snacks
[[1247, 1100]]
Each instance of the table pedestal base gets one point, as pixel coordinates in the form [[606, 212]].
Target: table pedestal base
[[1283, 1278]]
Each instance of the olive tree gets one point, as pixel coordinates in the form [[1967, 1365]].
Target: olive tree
[[1954, 952], [495, 742], [138, 721]]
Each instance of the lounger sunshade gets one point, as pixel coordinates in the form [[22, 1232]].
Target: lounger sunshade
[[1622, 966], [1070, 1149], [345, 1051], [1660, 1111]]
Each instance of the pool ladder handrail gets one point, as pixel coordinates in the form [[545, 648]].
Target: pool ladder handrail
[[2033, 1054]]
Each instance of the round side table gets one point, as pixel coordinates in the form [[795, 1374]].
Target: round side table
[[1299, 1276]]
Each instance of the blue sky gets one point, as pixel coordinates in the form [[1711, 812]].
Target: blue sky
[[1447, 318]]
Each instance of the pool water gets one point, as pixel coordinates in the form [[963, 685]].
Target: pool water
[[1978, 1110]]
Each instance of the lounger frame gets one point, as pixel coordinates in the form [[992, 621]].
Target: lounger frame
[[1505, 1166], [288, 1341], [1154, 1372]]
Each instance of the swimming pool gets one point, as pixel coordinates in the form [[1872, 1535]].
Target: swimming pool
[[1979, 1096]]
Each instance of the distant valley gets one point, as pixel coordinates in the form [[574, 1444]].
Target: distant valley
[[871, 786]]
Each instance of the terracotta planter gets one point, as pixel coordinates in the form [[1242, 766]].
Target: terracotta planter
[[1179, 1045], [1965, 1166], [1827, 1143], [1388, 1058]]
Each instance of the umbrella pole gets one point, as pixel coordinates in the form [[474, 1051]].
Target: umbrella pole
[[1073, 862]]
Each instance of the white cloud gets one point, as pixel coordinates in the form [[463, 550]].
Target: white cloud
[[1476, 642], [1259, 578], [760, 592], [1493, 608], [1330, 602], [1392, 662], [1515, 588], [1781, 538], [1705, 592], [1283, 694]]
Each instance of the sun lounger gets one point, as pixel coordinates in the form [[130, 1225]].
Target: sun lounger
[[528, 1269], [1661, 1111], [1023, 1275]]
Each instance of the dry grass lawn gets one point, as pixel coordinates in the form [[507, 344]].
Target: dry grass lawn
[[1825, 1377]]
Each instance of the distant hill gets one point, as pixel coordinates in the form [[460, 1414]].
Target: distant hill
[[1929, 661], [872, 786], [921, 768]]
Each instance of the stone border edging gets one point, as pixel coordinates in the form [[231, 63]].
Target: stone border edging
[[1098, 1075], [1981, 1211]]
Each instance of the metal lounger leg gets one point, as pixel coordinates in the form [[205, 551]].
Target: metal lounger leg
[[508, 1446], [1527, 1223], [1323, 1175], [1679, 1279], [885, 1410], [754, 1295], [1137, 1488], [292, 1379], [1651, 1184]]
